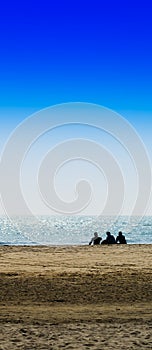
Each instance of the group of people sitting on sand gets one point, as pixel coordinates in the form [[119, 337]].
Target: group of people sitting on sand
[[110, 239]]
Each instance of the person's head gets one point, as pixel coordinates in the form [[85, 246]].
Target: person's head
[[120, 233], [95, 235], [108, 233]]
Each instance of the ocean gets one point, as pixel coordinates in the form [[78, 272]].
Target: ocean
[[71, 230]]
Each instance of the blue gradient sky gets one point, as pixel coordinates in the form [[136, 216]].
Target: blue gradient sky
[[96, 51], [66, 51]]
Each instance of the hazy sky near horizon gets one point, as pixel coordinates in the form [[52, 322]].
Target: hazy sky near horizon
[[96, 52]]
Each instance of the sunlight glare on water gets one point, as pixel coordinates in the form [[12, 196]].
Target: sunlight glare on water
[[71, 230]]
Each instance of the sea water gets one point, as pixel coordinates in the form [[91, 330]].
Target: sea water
[[72, 230]]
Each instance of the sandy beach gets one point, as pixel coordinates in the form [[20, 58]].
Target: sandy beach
[[88, 297]]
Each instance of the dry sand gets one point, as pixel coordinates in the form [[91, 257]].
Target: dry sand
[[89, 297]]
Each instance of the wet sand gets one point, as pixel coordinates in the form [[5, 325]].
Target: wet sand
[[88, 297]]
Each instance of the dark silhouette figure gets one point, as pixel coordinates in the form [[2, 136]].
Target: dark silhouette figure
[[121, 238], [95, 240], [109, 240]]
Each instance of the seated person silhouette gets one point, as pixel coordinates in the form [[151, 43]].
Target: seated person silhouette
[[121, 238], [96, 239], [109, 240]]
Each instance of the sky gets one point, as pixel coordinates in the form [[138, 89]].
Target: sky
[[97, 52]]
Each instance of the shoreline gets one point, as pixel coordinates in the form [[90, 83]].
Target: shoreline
[[68, 245]]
